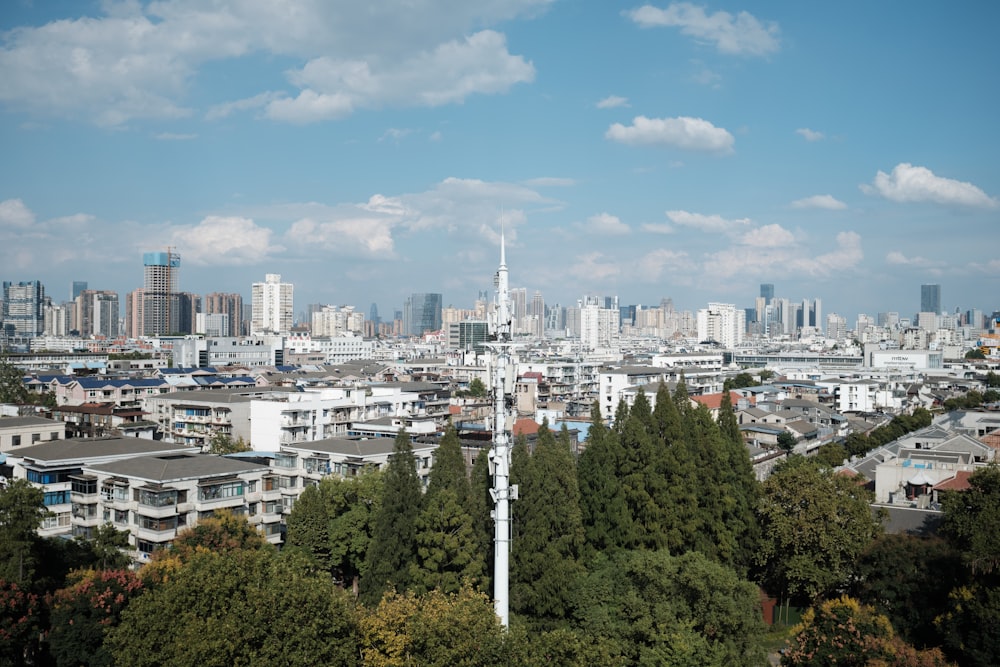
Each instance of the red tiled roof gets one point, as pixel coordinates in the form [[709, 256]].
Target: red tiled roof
[[525, 427], [454, 409], [714, 401], [991, 439], [960, 482], [532, 375]]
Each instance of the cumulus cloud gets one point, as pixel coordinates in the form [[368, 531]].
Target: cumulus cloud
[[768, 236], [706, 223], [13, 213], [809, 135], [658, 228], [693, 134], [908, 183], [607, 224], [613, 102], [333, 88], [654, 265], [828, 202], [897, 258], [139, 60], [740, 34], [369, 235], [593, 268], [229, 241]]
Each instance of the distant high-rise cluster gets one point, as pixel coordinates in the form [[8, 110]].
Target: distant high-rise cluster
[[930, 299], [422, 313]]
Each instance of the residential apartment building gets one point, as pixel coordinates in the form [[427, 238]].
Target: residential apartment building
[[160, 310], [17, 432], [23, 309], [722, 323], [273, 306]]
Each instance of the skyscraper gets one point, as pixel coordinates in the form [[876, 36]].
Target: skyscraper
[[930, 299], [231, 305], [78, 287], [24, 309], [273, 306], [160, 314], [421, 313], [767, 292]]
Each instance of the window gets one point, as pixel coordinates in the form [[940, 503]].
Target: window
[[252, 509], [114, 492], [221, 491], [147, 547], [85, 512], [273, 507], [158, 525], [287, 482], [15, 440], [60, 520], [56, 498], [284, 460], [54, 435], [165, 498], [35, 437], [86, 487], [120, 517], [53, 477]]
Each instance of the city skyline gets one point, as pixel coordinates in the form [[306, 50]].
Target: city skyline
[[673, 150]]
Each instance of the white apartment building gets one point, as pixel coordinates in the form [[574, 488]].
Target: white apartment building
[[334, 348], [334, 321], [723, 323], [347, 457], [155, 497], [598, 326], [272, 306], [199, 352], [51, 466]]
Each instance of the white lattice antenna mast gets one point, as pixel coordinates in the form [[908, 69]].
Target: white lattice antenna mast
[[504, 370]]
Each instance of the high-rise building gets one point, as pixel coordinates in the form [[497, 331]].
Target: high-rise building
[[930, 299], [78, 287], [767, 292], [188, 308], [273, 306], [24, 309], [160, 312], [231, 305], [97, 313], [422, 312], [723, 323], [134, 302]]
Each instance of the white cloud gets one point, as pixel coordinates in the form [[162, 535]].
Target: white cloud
[[896, 258], [606, 224], [908, 183], [829, 202], [782, 257], [706, 223], [435, 136], [705, 76], [740, 34], [657, 228], [227, 241], [13, 213], [694, 134], [809, 135], [593, 268], [138, 61], [652, 266], [613, 102], [768, 236], [368, 235], [394, 134]]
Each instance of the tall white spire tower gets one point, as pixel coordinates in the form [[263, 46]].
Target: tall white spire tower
[[504, 370]]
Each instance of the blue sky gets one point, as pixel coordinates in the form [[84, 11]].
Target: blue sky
[[846, 151]]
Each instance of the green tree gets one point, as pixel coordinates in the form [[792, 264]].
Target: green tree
[[21, 513], [604, 511], [223, 443], [447, 548], [354, 504], [975, 354], [436, 629], [814, 526], [480, 506], [476, 388], [787, 441], [224, 531], [309, 526], [658, 609], [972, 520], [84, 612], [740, 489], [992, 379], [831, 455], [909, 578], [548, 532], [12, 388], [107, 545], [239, 607], [394, 532]]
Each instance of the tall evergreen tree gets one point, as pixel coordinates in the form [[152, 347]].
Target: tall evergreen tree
[[743, 488], [447, 549], [677, 488], [480, 506], [309, 526], [394, 533], [639, 483], [549, 533], [604, 511], [354, 504]]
